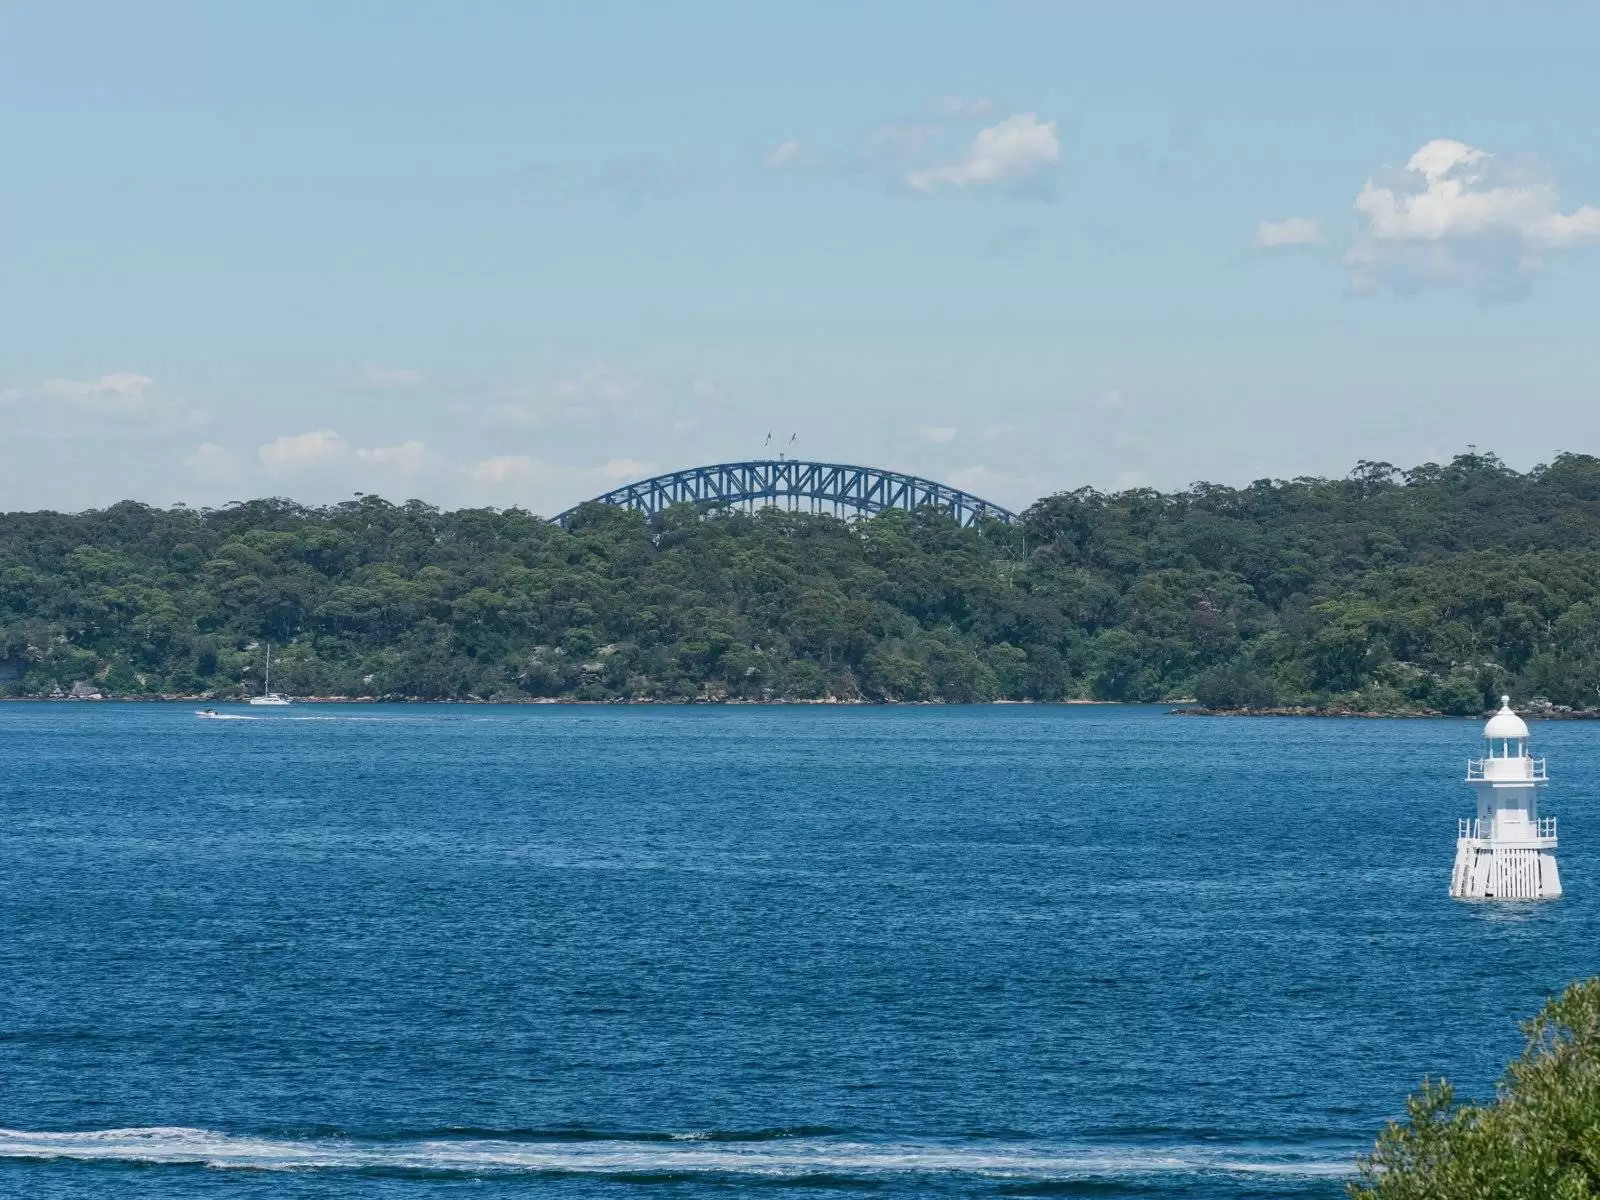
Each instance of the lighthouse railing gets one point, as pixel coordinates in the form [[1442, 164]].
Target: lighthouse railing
[[1482, 829], [1480, 770]]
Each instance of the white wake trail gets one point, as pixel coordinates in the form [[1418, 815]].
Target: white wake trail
[[782, 1157]]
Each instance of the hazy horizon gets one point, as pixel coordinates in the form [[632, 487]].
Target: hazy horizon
[[398, 498]]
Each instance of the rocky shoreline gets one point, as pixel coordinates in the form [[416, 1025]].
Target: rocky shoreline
[[212, 698], [1186, 709], [1552, 714]]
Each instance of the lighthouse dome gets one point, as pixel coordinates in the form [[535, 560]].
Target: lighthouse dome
[[1505, 723]]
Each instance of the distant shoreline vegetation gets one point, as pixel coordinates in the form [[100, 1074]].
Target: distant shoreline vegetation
[[1389, 592]]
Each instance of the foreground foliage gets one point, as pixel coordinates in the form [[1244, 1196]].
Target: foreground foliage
[[1539, 1139], [1430, 589]]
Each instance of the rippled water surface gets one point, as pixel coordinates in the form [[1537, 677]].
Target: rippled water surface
[[399, 951]]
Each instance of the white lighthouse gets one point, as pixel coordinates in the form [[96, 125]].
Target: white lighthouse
[[1506, 852]]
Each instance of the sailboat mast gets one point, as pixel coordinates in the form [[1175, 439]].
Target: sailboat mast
[[267, 688]]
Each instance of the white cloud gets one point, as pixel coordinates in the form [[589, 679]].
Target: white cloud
[[1294, 231], [125, 394], [320, 449], [1452, 196], [1017, 152], [304, 451], [1109, 399], [372, 375], [995, 431], [936, 433], [406, 458], [213, 463], [119, 392], [1438, 158], [1456, 215], [924, 152]]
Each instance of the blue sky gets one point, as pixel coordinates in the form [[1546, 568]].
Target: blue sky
[[515, 253]]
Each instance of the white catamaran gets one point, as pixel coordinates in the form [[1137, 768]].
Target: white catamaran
[[268, 696]]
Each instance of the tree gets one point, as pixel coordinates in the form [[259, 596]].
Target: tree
[[1539, 1139], [1234, 685], [1460, 697]]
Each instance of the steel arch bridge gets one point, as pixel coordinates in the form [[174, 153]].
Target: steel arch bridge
[[797, 486]]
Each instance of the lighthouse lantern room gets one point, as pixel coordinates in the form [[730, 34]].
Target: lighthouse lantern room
[[1506, 852]]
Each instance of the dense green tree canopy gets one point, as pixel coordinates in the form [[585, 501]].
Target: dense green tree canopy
[[1434, 588], [1538, 1140]]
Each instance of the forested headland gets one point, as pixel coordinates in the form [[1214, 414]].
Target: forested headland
[[1429, 589]]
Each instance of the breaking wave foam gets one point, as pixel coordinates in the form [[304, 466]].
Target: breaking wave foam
[[776, 1155]]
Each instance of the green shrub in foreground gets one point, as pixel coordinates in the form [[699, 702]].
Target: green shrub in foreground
[[1539, 1139]]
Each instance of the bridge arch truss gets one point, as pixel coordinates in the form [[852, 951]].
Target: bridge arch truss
[[799, 486]]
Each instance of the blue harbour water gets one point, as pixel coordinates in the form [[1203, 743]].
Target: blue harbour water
[[412, 951]]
